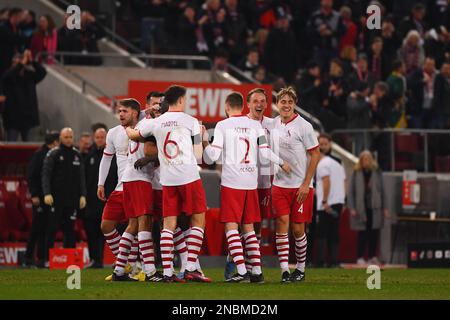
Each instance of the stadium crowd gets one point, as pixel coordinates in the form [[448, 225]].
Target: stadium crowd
[[346, 75]]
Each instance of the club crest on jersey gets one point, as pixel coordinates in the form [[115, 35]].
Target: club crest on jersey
[[92, 161], [61, 158]]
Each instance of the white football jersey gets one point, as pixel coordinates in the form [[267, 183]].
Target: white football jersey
[[174, 133], [117, 144], [265, 167], [291, 141], [239, 138], [135, 152]]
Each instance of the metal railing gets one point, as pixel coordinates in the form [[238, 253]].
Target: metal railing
[[189, 61], [418, 146], [241, 76]]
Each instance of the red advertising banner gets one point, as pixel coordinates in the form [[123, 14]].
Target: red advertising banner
[[62, 258], [204, 101]]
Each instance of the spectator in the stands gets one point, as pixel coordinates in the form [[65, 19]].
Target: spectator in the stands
[[337, 87], [437, 45], [349, 37], [381, 104], [260, 75], [280, 52], [414, 22], [215, 32], [348, 58], [187, 32], [11, 41], [98, 125], [361, 73], [366, 201], [397, 91], [236, 30], [325, 29], [391, 41], [220, 60], [412, 52], [82, 41], [420, 85], [250, 63], [84, 144], [27, 26], [311, 88], [41, 211], [45, 39], [4, 15], [21, 106], [359, 115], [441, 102], [379, 64]]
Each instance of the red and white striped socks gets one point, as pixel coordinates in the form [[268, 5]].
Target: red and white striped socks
[[166, 244], [236, 251], [282, 241], [194, 243], [147, 251], [252, 252], [113, 240], [132, 257], [180, 247], [124, 251], [301, 244]]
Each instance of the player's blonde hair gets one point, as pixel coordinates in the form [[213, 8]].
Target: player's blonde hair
[[290, 91]]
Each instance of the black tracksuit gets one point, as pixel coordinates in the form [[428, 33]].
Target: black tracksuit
[[94, 207], [40, 212], [63, 178]]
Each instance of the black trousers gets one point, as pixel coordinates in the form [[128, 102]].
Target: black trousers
[[327, 235], [61, 218], [95, 238], [368, 238], [38, 233]]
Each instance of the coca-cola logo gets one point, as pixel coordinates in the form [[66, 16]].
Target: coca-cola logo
[[60, 259]]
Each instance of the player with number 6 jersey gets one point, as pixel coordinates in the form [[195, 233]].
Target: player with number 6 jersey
[[179, 150]]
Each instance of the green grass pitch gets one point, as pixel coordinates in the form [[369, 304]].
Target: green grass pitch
[[319, 284]]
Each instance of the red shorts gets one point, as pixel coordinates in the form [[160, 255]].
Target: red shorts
[[157, 204], [137, 198], [265, 203], [114, 209], [239, 206], [284, 202], [188, 199]]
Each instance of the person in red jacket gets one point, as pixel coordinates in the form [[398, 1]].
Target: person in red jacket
[[45, 39]]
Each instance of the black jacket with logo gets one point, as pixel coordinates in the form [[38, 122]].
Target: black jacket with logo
[[35, 171], [63, 176]]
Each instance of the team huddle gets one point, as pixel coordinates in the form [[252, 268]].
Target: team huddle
[[267, 172]]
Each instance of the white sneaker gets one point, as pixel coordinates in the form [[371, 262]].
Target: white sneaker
[[361, 262]]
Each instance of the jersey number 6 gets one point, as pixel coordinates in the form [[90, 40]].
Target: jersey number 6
[[166, 143]]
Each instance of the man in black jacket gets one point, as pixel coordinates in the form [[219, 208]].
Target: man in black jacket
[[64, 188], [94, 207], [10, 38], [40, 209]]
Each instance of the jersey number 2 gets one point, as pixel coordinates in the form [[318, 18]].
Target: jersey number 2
[[247, 145]]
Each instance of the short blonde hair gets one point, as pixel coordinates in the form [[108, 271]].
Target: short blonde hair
[[373, 165], [290, 91]]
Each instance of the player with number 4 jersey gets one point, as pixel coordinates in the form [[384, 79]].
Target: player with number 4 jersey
[[292, 195]]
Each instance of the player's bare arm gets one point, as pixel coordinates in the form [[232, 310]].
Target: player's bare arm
[[303, 191]]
